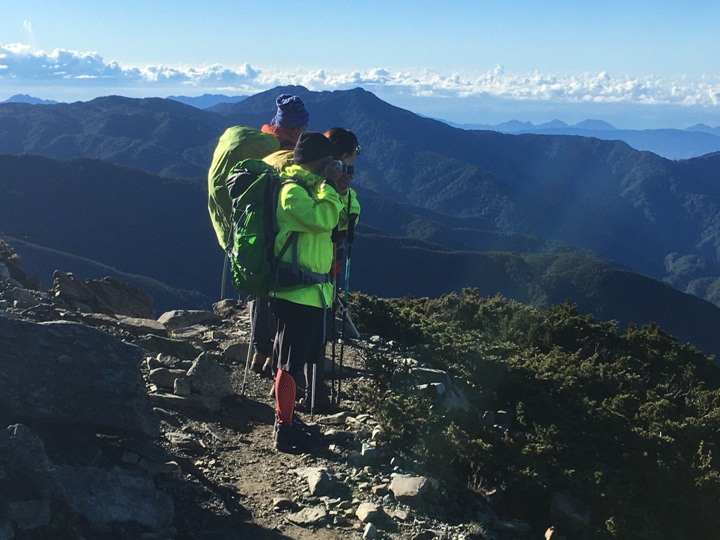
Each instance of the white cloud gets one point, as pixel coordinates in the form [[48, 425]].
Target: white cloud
[[21, 64]]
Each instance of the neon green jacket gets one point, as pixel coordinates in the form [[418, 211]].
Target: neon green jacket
[[354, 209], [282, 159], [313, 213]]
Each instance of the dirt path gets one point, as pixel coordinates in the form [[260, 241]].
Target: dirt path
[[233, 475]]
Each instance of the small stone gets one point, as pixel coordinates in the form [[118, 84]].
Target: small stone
[[214, 335], [337, 419], [152, 363], [338, 435], [180, 439], [408, 487], [164, 377], [282, 503], [182, 387], [379, 490], [367, 512], [402, 515], [307, 517], [370, 531], [341, 521], [319, 480], [168, 361], [209, 378], [369, 452], [207, 403]]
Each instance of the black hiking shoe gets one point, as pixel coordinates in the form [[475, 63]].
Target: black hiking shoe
[[295, 439], [257, 362], [323, 403]]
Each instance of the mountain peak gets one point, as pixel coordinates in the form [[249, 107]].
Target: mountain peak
[[25, 98], [553, 124], [595, 125]]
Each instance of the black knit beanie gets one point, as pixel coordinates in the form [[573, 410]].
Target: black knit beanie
[[311, 146]]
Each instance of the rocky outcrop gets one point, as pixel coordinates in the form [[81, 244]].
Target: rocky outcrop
[[102, 497], [69, 372], [107, 295], [132, 428]]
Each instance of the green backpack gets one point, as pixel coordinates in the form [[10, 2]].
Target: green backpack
[[254, 188], [236, 144]]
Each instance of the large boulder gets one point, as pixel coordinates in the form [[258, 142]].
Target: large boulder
[[114, 496], [69, 372], [107, 295]]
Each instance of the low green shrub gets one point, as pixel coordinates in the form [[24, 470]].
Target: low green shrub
[[627, 421]]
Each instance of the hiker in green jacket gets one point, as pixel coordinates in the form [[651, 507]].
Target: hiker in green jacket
[[308, 209], [290, 120], [346, 149]]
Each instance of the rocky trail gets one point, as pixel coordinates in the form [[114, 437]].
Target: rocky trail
[[121, 425]]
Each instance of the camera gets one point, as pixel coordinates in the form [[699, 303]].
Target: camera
[[347, 169]]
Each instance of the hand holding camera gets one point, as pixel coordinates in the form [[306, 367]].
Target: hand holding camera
[[339, 174], [346, 176]]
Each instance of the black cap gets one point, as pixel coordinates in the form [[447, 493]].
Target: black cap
[[312, 146]]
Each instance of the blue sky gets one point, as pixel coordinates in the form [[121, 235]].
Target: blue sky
[[633, 63]]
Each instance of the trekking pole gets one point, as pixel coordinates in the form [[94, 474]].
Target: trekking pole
[[223, 281], [332, 319], [253, 326], [346, 294], [312, 394]]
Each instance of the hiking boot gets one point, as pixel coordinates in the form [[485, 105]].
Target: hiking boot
[[322, 401], [267, 367], [295, 439], [257, 362]]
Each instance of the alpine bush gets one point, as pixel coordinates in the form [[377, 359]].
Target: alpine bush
[[627, 421]]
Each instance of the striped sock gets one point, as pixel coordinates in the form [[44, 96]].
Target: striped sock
[[285, 390]]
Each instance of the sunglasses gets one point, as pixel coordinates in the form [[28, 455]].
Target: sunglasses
[[357, 150]]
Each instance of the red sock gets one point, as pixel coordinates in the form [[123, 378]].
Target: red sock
[[285, 390]]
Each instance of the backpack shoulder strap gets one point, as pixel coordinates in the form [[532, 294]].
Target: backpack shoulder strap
[[299, 275]]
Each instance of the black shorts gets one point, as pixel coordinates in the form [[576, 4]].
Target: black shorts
[[300, 336]]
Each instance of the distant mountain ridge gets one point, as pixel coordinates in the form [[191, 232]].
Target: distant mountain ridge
[[206, 101], [100, 219], [692, 142], [526, 192]]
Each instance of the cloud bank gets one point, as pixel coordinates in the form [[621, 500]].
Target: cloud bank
[[20, 65], [68, 75]]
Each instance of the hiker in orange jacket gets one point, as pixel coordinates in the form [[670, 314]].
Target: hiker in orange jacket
[[290, 120]]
